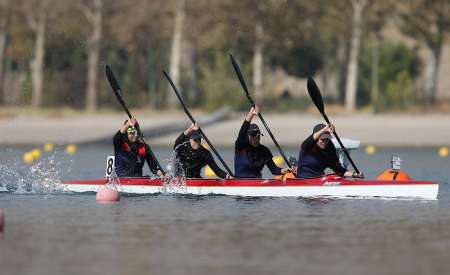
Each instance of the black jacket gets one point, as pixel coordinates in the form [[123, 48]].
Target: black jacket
[[249, 161], [312, 161], [130, 157], [189, 162]]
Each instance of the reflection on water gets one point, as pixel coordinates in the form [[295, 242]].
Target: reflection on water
[[56, 233], [316, 201], [185, 234]]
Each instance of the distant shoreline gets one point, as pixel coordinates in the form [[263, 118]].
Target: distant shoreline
[[384, 130]]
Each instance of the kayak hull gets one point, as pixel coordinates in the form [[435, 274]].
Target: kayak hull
[[327, 186]]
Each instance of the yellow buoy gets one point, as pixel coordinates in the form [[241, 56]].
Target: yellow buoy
[[48, 147], [279, 161], [443, 152], [36, 153], [209, 173], [28, 158], [71, 149], [370, 149]]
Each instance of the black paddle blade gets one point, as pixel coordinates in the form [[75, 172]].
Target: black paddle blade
[[112, 80], [315, 95], [237, 69]]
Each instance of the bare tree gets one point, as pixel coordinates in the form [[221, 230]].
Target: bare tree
[[144, 39], [175, 52], [353, 65], [37, 14], [258, 59], [429, 22], [377, 17], [3, 23], [93, 12]]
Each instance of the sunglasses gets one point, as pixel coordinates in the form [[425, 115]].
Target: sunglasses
[[254, 134], [133, 133], [325, 139]]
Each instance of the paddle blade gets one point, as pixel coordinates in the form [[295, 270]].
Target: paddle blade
[[112, 80], [315, 95], [238, 72]]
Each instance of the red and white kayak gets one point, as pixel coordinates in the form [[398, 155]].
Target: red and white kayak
[[327, 186]]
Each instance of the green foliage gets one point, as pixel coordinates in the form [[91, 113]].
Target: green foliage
[[301, 61], [136, 42], [286, 104], [220, 86], [399, 93], [398, 65]]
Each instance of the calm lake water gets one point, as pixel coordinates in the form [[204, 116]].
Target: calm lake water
[[52, 232]]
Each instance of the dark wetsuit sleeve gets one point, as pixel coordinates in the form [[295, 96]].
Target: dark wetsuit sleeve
[[213, 165], [118, 139], [151, 161], [334, 161], [308, 143], [242, 140], [180, 139], [274, 169]]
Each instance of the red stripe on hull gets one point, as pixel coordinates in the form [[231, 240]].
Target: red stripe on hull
[[323, 181]]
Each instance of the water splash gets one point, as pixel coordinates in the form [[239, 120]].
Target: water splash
[[174, 185], [42, 177], [175, 181], [114, 182], [10, 179]]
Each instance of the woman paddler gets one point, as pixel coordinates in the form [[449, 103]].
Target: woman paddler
[[318, 153], [250, 155], [131, 153], [191, 156]]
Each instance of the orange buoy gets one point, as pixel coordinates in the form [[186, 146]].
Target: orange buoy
[[2, 221], [285, 176], [107, 195], [391, 174], [289, 176]]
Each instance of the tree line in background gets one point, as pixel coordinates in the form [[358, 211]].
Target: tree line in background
[[53, 52]]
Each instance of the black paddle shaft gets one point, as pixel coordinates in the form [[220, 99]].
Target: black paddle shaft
[[341, 144], [316, 97], [117, 92], [177, 93], [252, 102]]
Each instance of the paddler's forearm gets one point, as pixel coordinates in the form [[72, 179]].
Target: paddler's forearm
[[242, 136], [309, 142], [180, 139], [117, 139], [249, 117], [274, 169], [216, 169], [124, 127], [317, 134], [219, 172]]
